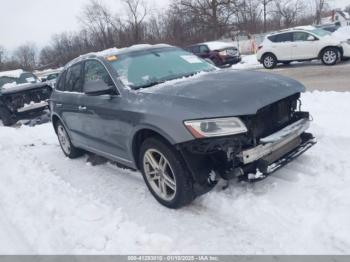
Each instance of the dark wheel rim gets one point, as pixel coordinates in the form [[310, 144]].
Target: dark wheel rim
[[159, 174], [63, 139]]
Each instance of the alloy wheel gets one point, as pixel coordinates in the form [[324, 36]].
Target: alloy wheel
[[159, 174], [64, 139], [269, 61], [330, 57]]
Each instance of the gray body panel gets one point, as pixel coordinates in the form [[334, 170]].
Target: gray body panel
[[107, 124]]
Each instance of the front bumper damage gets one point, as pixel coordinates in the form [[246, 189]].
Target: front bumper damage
[[230, 158]]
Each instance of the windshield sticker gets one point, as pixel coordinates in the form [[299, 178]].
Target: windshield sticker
[[192, 59], [112, 58], [30, 79]]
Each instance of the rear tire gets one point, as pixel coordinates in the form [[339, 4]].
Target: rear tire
[[330, 56], [165, 173], [269, 61], [66, 145], [7, 118]]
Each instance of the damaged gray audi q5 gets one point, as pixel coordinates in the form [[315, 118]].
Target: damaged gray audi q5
[[178, 119]]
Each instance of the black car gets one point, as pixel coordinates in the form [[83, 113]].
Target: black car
[[220, 53], [177, 118], [21, 96]]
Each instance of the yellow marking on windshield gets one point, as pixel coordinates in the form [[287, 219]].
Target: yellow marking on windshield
[[112, 58]]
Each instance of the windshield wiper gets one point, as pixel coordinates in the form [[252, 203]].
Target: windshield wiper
[[150, 84]]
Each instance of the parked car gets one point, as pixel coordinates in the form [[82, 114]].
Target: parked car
[[178, 119], [329, 27], [302, 44], [21, 95], [220, 53]]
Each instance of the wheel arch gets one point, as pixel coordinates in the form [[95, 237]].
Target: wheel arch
[[331, 46], [268, 53], [141, 135]]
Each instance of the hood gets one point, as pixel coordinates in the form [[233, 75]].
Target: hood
[[21, 88], [224, 93]]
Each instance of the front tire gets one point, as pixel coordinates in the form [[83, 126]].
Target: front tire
[[165, 174], [66, 145], [330, 56], [7, 118], [269, 61]]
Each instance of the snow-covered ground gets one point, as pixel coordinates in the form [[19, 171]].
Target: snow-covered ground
[[248, 62], [52, 205]]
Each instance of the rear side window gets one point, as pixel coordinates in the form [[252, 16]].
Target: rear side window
[[73, 81], [195, 49], [94, 70], [280, 38], [203, 49]]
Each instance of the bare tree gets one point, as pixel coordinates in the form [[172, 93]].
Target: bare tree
[[99, 21], [289, 11], [2, 54], [137, 12], [217, 16], [320, 6], [265, 4], [347, 9], [26, 56]]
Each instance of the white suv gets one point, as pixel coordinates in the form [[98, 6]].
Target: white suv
[[302, 44]]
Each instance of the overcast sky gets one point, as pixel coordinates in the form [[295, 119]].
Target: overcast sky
[[37, 20]]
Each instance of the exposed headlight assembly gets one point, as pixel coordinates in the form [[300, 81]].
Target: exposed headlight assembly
[[215, 127]]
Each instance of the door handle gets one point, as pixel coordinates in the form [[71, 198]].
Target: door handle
[[82, 108], [59, 105]]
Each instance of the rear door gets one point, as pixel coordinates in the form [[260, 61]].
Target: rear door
[[67, 101], [282, 46], [303, 47]]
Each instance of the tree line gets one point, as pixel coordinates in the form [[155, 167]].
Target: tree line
[[184, 22]]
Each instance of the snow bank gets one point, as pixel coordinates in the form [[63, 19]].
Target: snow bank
[[52, 205], [248, 62], [14, 73]]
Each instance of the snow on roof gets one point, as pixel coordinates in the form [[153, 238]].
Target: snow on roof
[[217, 45], [116, 51], [14, 73], [307, 27]]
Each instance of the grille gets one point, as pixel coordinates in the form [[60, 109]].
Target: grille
[[274, 117]]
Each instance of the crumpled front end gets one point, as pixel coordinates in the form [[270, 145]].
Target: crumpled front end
[[276, 135]]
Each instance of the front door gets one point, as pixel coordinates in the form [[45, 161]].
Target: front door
[[104, 124], [303, 46]]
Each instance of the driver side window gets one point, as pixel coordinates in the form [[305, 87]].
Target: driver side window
[[94, 70], [300, 36]]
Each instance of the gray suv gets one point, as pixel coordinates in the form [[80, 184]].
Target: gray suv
[[178, 119]]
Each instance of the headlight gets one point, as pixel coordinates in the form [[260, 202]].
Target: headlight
[[216, 127], [223, 53]]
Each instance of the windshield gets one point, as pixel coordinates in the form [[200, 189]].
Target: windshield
[[151, 67], [320, 32]]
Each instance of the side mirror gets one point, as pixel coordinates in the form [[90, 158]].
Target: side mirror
[[97, 87], [311, 38], [43, 79]]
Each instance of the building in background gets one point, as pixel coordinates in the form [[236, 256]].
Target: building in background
[[337, 17]]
